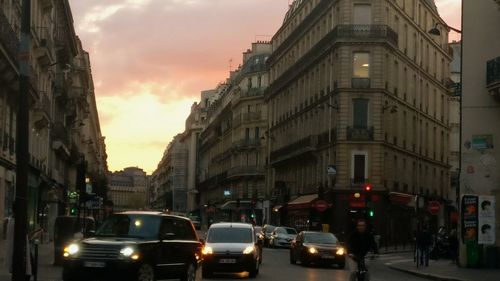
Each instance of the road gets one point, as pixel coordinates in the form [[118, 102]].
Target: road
[[276, 267]]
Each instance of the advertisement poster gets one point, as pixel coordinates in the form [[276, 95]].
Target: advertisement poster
[[469, 218], [486, 220]]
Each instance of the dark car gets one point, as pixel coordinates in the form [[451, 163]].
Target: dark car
[[282, 236], [317, 247], [142, 246], [267, 230], [231, 247], [65, 228]]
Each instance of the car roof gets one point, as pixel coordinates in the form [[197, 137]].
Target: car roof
[[231, 224], [150, 213]]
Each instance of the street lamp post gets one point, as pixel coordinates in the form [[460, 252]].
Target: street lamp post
[[22, 154], [331, 176]]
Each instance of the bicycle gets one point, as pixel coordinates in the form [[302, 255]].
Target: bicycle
[[361, 273]]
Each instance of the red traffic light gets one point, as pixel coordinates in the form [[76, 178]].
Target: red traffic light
[[368, 187]]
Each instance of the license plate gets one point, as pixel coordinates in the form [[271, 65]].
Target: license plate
[[227, 261], [328, 257], [94, 264]]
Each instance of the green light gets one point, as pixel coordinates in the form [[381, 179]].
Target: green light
[[252, 215], [72, 211], [371, 213]]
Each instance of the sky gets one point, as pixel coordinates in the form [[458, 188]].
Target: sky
[[152, 58]]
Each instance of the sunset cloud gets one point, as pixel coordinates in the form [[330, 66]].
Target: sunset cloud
[[152, 58]]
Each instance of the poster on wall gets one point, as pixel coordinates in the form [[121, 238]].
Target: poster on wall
[[469, 218], [486, 220]]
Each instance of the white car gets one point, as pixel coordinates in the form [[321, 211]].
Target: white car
[[282, 236]]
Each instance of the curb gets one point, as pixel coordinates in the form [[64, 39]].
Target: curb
[[426, 275]]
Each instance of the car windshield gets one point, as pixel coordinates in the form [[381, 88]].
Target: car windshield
[[270, 228], [137, 226], [230, 235], [320, 238], [290, 230]]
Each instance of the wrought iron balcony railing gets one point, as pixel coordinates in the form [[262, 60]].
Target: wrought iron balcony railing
[[8, 37], [360, 134], [493, 77]]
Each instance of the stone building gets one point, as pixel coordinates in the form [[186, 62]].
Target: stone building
[[360, 87], [128, 189], [63, 117], [232, 146]]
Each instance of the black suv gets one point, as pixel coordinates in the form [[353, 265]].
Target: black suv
[[139, 246]]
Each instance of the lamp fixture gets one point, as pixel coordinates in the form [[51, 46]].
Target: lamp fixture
[[437, 32]]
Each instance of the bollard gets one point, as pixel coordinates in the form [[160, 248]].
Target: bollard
[[35, 261]]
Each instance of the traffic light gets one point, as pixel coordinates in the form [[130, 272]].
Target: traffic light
[[72, 211], [367, 187], [371, 213], [252, 215]]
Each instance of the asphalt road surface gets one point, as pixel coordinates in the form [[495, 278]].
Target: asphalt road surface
[[276, 267]]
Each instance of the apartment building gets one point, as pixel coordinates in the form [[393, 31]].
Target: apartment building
[[480, 134], [61, 98], [232, 145], [357, 97], [128, 189]]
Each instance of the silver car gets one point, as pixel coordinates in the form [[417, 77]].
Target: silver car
[[282, 236]]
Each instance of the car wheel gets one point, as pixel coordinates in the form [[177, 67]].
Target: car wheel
[[205, 273], [146, 273], [304, 261], [190, 274], [341, 265], [254, 271]]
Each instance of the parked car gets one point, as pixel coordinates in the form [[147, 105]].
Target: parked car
[[267, 230], [317, 247], [282, 236], [65, 228], [136, 246], [231, 247]]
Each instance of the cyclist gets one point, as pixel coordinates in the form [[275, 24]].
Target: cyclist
[[358, 245]]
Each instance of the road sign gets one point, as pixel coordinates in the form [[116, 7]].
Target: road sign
[[321, 206], [434, 207]]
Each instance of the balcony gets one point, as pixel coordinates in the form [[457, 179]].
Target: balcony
[[296, 149], [42, 111], [243, 171], [246, 144], [251, 116], [366, 32], [8, 38], [360, 134], [360, 83], [493, 77], [43, 52], [60, 133]]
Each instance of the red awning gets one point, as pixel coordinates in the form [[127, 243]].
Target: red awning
[[302, 202], [402, 198]]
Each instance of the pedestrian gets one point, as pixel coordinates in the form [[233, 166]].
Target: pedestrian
[[424, 242], [9, 243], [453, 244]]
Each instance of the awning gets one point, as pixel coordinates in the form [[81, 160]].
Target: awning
[[302, 202], [232, 205], [402, 199]]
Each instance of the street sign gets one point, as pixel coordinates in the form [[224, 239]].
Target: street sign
[[321, 206], [434, 207], [331, 170]]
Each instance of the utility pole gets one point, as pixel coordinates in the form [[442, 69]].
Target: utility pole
[[22, 156]]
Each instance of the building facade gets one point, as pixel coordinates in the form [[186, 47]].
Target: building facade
[[61, 93], [128, 189], [358, 97], [480, 134]]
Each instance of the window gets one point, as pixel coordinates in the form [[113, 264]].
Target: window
[[247, 133], [359, 168], [361, 65], [257, 133], [362, 14], [360, 113], [259, 81]]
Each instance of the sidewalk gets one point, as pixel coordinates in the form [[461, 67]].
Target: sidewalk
[[46, 271], [446, 271]]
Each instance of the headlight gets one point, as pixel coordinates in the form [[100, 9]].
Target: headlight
[[313, 250], [249, 250], [127, 252], [340, 251], [207, 250], [71, 250]]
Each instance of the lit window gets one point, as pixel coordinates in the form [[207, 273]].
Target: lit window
[[361, 65]]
